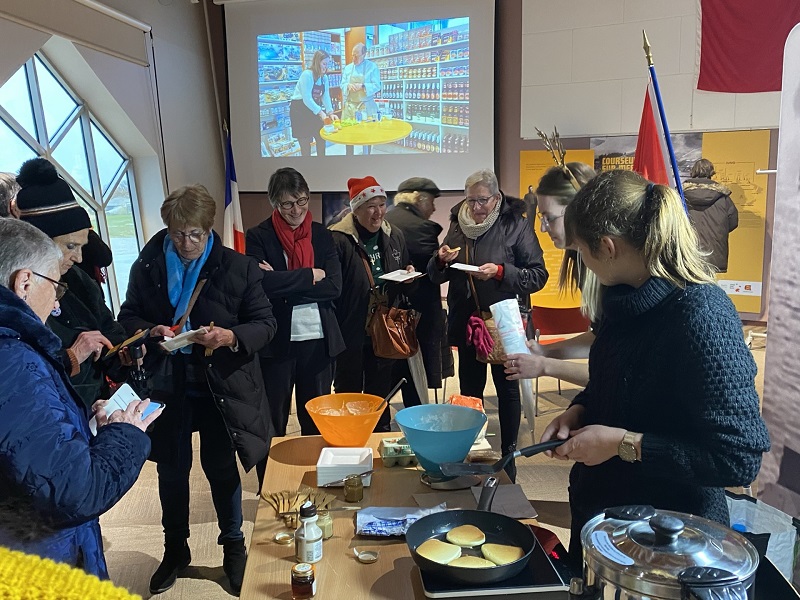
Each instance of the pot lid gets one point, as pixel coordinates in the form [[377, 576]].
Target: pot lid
[[641, 549]]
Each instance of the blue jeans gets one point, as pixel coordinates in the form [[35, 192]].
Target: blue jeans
[[218, 460]]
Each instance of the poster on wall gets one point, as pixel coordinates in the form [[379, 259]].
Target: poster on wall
[[736, 156], [617, 152], [532, 165]]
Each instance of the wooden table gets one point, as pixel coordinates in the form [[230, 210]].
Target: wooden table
[[292, 461], [369, 133]]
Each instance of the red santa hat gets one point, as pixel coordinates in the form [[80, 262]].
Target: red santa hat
[[362, 190]]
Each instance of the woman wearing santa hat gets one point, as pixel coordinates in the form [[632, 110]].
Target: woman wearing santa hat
[[362, 235]]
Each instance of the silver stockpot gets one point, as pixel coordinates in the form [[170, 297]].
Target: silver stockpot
[[640, 553]]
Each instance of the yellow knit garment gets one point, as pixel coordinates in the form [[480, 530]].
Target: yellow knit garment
[[28, 577]]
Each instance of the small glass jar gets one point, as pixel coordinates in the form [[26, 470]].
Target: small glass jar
[[304, 584], [353, 488], [325, 522]]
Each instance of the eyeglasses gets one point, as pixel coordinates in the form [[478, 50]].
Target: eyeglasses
[[302, 201], [61, 288], [194, 236], [478, 201], [547, 220]]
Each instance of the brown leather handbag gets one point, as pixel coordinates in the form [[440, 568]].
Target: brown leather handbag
[[393, 330]]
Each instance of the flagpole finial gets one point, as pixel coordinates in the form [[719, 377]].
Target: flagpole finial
[[647, 52]]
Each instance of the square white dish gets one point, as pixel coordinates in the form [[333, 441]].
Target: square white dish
[[337, 463]]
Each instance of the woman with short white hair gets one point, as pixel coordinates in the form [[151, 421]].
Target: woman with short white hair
[[55, 477]]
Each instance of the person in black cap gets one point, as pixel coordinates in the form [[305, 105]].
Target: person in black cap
[[82, 321], [414, 205]]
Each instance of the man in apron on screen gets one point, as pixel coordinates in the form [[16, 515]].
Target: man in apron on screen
[[361, 80]]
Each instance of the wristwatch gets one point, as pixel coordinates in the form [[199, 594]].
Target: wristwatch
[[626, 449]]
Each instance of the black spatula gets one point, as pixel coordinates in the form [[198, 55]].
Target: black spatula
[[457, 469]]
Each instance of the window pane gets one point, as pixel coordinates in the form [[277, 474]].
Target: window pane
[[108, 159], [71, 155], [13, 151], [89, 209], [56, 102], [122, 231], [15, 97]]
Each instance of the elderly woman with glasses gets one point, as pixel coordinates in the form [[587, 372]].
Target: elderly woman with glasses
[[186, 280], [489, 231], [82, 320], [302, 278], [56, 478]]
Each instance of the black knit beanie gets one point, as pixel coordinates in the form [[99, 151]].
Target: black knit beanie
[[46, 201]]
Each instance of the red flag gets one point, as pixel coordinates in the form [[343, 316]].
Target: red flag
[[232, 229], [651, 160], [741, 44]]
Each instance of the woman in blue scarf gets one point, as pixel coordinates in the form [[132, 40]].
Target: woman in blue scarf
[[185, 280]]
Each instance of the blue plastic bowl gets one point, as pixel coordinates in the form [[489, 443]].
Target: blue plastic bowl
[[439, 433]]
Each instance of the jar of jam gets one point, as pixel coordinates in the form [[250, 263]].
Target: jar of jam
[[353, 489], [304, 585]]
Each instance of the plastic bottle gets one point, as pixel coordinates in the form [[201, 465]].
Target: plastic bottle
[[308, 537]]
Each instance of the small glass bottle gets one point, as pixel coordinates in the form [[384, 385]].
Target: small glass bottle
[[304, 584], [325, 523], [308, 537], [353, 488]]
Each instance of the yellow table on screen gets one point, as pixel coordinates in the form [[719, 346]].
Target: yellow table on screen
[[369, 133]]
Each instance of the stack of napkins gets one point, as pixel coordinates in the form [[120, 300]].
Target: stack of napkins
[[335, 464]]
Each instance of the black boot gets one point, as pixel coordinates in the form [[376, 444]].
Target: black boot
[[511, 467], [233, 563], [176, 557]]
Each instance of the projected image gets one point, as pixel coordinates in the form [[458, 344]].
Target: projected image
[[396, 88]]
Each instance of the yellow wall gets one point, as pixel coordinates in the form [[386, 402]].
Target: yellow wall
[[736, 156], [532, 165]]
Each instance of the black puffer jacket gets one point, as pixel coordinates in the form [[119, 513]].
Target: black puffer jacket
[[714, 216], [286, 289], [232, 298], [353, 304], [509, 242], [83, 309]]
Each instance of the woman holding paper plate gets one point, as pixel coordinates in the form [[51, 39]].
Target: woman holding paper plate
[[368, 248], [82, 321], [491, 235], [186, 280], [55, 477]]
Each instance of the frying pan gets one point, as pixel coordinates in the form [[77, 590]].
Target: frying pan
[[499, 529]]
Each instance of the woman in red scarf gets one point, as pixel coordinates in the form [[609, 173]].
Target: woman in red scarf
[[302, 278]]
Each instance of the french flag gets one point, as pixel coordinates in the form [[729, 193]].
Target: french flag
[[652, 158], [232, 229]]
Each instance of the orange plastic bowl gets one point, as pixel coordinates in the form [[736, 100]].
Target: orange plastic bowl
[[345, 430]]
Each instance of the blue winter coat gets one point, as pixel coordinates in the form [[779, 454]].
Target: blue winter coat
[[55, 478]]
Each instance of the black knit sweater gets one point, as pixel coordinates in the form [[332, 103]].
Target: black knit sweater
[[672, 364]]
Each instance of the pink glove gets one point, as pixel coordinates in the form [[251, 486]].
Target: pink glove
[[478, 335]]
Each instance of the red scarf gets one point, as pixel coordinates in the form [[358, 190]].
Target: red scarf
[[296, 242]]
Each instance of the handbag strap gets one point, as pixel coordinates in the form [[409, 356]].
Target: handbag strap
[[469, 276], [369, 270], [179, 325]]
